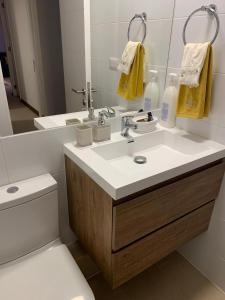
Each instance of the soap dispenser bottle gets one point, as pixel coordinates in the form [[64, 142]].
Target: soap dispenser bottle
[[152, 93], [169, 102], [101, 131]]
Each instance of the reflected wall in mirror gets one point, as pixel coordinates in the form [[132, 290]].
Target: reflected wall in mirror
[[109, 36]]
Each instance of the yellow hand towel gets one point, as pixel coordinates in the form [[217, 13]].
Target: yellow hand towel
[[132, 86], [195, 103]]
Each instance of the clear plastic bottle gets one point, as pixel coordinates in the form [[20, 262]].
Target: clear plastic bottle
[[169, 102], [152, 93]]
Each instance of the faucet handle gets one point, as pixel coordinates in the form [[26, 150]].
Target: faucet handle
[[127, 119], [111, 111]]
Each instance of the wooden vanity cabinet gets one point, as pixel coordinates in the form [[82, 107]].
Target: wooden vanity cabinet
[[127, 236]]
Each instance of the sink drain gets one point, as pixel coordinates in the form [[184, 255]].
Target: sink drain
[[12, 189], [140, 160]]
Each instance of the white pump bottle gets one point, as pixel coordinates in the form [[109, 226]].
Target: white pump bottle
[[169, 102], [151, 96]]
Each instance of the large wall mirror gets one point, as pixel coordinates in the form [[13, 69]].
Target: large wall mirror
[[50, 50]]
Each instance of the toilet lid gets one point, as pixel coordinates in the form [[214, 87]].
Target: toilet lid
[[48, 275]]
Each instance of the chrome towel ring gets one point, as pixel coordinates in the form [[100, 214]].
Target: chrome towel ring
[[211, 10], [143, 18]]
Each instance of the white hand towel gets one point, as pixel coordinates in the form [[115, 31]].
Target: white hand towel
[[128, 57], [192, 64]]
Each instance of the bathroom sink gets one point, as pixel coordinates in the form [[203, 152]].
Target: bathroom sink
[[167, 153], [161, 150]]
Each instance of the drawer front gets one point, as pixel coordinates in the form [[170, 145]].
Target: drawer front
[[139, 256], [137, 218]]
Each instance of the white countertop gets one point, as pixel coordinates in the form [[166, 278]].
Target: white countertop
[[182, 153], [60, 120]]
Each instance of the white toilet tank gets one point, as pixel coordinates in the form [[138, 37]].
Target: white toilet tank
[[28, 216]]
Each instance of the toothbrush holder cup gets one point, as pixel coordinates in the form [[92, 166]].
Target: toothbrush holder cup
[[84, 135]]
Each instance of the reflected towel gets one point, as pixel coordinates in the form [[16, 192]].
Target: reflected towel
[[128, 57], [132, 86], [192, 63], [195, 103]]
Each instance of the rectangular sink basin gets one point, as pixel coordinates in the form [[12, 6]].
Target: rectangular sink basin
[[161, 149], [168, 153]]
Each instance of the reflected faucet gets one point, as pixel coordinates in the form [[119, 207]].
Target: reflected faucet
[[126, 124], [91, 111], [87, 101]]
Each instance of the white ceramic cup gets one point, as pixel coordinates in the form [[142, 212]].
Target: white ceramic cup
[[84, 135]]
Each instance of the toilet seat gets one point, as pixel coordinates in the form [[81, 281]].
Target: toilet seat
[[49, 274]]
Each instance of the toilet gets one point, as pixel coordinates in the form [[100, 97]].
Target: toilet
[[34, 264]]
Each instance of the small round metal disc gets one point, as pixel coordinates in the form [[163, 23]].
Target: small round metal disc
[[140, 160], [12, 190]]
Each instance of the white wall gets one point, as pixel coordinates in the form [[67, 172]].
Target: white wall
[[110, 20], [5, 121], [32, 154], [48, 18], [207, 252], [73, 42]]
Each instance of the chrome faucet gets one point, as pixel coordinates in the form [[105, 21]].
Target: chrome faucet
[[126, 124], [91, 111]]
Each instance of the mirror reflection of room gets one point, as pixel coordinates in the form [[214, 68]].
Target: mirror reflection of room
[[111, 32], [31, 60], [95, 36]]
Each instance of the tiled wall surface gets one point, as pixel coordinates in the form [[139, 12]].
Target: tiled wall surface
[[110, 20], [207, 253], [32, 154]]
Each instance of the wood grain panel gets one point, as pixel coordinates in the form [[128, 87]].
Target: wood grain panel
[[139, 256], [90, 212], [138, 217]]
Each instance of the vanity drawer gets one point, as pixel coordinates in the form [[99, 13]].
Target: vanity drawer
[[134, 259], [138, 217]]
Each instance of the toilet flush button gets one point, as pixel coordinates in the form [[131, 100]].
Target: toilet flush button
[[12, 189]]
